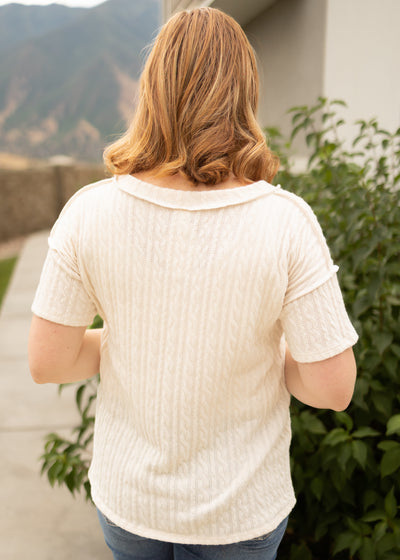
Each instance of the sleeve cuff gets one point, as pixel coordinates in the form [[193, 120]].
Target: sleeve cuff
[[317, 325], [61, 297]]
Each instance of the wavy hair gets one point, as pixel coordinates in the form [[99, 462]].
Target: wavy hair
[[198, 98]]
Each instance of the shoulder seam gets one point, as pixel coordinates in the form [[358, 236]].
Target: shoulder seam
[[309, 215], [82, 191]]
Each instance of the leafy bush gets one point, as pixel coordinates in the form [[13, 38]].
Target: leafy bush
[[6, 270], [345, 465], [67, 461]]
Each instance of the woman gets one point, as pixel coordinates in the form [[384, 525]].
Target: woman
[[219, 299]]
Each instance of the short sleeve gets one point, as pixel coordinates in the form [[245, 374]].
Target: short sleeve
[[309, 261], [313, 317], [317, 325], [61, 295]]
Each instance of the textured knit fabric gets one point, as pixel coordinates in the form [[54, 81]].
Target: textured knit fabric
[[198, 290]]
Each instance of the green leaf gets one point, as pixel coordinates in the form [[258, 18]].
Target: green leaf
[[374, 285], [391, 504], [54, 471], [388, 445], [390, 461], [296, 117], [311, 423], [379, 530], [299, 108], [344, 541], [358, 526], [87, 488], [310, 138], [396, 348], [391, 364], [361, 304], [78, 397], [382, 340], [370, 498], [365, 431], [367, 550], [297, 128], [345, 419], [348, 540], [337, 435], [361, 254], [360, 450], [317, 487], [300, 552], [393, 425], [97, 323], [374, 515], [382, 403], [343, 454], [71, 482], [387, 543]]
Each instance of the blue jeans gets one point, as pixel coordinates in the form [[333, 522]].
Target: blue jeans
[[127, 546]]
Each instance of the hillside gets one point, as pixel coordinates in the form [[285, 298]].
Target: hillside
[[19, 23], [72, 88]]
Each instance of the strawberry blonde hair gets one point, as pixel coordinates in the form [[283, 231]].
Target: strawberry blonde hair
[[197, 103]]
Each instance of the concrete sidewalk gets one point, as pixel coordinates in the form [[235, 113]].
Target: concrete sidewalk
[[36, 521]]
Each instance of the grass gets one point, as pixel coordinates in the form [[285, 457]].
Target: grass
[[6, 268]]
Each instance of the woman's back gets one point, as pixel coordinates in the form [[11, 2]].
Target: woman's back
[[192, 288]]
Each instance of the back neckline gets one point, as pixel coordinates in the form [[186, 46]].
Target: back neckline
[[192, 200]]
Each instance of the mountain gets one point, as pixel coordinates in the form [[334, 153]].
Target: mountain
[[72, 88], [20, 23]]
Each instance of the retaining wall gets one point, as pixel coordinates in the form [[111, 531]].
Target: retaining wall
[[31, 199]]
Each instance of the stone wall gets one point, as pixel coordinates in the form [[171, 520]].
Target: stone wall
[[31, 199]]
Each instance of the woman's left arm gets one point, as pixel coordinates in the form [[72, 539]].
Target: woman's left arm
[[62, 354]]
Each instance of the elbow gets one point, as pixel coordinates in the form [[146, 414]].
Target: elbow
[[341, 403], [38, 374], [42, 372], [39, 380], [341, 398], [330, 383], [342, 380]]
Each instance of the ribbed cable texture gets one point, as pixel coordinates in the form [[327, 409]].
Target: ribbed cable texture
[[316, 325], [192, 427], [64, 292]]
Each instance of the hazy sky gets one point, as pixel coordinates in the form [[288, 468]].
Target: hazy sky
[[72, 3]]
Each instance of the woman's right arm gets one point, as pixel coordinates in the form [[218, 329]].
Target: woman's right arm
[[325, 384]]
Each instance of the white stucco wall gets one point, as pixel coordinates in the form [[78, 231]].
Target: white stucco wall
[[171, 6], [289, 39], [362, 58]]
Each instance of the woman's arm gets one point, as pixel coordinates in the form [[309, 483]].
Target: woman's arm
[[325, 384], [62, 354]]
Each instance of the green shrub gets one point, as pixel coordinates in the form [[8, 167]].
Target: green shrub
[[67, 461], [6, 269], [345, 465]]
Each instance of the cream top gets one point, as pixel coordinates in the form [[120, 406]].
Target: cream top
[[198, 291]]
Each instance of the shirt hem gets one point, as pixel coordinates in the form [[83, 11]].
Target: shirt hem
[[177, 538]]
